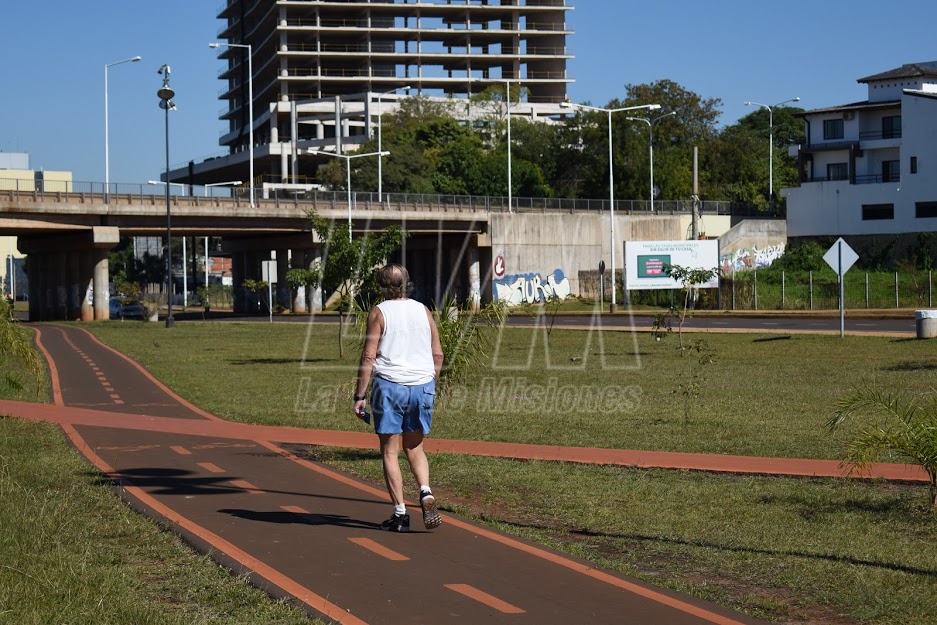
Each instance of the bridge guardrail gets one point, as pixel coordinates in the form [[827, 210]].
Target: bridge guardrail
[[200, 195]]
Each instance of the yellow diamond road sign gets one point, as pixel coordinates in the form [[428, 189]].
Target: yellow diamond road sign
[[841, 252]]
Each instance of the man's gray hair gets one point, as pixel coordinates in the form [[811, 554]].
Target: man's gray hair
[[394, 281]]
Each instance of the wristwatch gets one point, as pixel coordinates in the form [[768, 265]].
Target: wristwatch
[[359, 397]]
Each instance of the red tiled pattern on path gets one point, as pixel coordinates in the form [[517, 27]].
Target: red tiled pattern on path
[[362, 440], [234, 491]]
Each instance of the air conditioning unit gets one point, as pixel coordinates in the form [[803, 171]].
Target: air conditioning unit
[[849, 115]]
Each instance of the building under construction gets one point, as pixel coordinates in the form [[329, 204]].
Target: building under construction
[[321, 72]]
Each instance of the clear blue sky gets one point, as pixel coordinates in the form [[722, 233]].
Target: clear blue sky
[[54, 52]]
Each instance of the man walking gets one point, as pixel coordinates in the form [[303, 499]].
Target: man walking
[[403, 354]]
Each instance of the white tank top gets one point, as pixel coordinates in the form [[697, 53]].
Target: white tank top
[[405, 352]]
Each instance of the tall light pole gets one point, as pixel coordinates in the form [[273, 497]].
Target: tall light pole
[[348, 158], [507, 113], [507, 110], [165, 95], [380, 115], [613, 307], [231, 183], [107, 163], [650, 124], [771, 143], [250, 107]]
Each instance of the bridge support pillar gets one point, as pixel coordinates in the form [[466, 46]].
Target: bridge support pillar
[[282, 294], [102, 309], [62, 268], [474, 278], [314, 257], [60, 264], [238, 263], [298, 261], [35, 287], [86, 286]]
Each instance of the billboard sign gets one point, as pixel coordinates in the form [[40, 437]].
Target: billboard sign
[[647, 262]]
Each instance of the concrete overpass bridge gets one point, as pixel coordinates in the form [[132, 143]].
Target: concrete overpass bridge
[[452, 245]]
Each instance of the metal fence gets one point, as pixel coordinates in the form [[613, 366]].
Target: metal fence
[[754, 290], [133, 193]]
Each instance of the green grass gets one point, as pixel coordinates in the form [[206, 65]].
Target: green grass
[[790, 550], [765, 395], [786, 549], [74, 554]]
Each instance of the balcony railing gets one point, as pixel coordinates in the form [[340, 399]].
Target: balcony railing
[[872, 136], [877, 179]]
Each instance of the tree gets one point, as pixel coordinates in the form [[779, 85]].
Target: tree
[[583, 144], [733, 171], [16, 344], [740, 158], [347, 265], [675, 136], [687, 278], [898, 422]]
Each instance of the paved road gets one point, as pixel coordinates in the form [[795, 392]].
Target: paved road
[[886, 323], [303, 530], [768, 322]]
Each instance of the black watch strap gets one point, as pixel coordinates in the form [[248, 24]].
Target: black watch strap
[[359, 397]]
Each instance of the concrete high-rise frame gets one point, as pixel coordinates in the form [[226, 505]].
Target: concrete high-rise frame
[[324, 62]]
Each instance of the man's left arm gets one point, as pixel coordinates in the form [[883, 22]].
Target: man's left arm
[[435, 344]]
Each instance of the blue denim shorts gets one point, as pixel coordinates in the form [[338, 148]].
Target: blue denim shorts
[[398, 408]]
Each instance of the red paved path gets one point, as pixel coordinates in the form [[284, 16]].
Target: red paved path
[[303, 530]]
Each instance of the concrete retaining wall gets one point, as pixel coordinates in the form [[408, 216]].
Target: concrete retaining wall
[[539, 251], [751, 244]]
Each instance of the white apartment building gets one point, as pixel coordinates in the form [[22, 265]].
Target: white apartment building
[[321, 72], [870, 168]]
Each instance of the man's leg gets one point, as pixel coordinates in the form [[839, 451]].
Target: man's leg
[[390, 449], [419, 465]]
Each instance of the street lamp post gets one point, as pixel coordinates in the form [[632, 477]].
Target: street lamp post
[[771, 143], [348, 158], [380, 158], [107, 164], [232, 183], [613, 307], [250, 108], [185, 273], [507, 110], [165, 95], [650, 124]]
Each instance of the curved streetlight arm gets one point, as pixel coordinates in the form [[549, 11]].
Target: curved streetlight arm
[[380, 115], [107, 160], [347, 158], [650, 126], [250, 106], [771, 141], [611, 176]]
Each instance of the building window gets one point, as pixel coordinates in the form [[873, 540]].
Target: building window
[[913, 164], [891, 171], [837, 171], [925, 210], [891, 127], [832, 129], [878, 211]]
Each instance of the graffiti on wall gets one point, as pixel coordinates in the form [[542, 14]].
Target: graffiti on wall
[[753, 257], [527, 288]]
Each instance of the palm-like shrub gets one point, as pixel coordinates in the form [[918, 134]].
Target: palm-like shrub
[[464, 334], [901, 423]]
